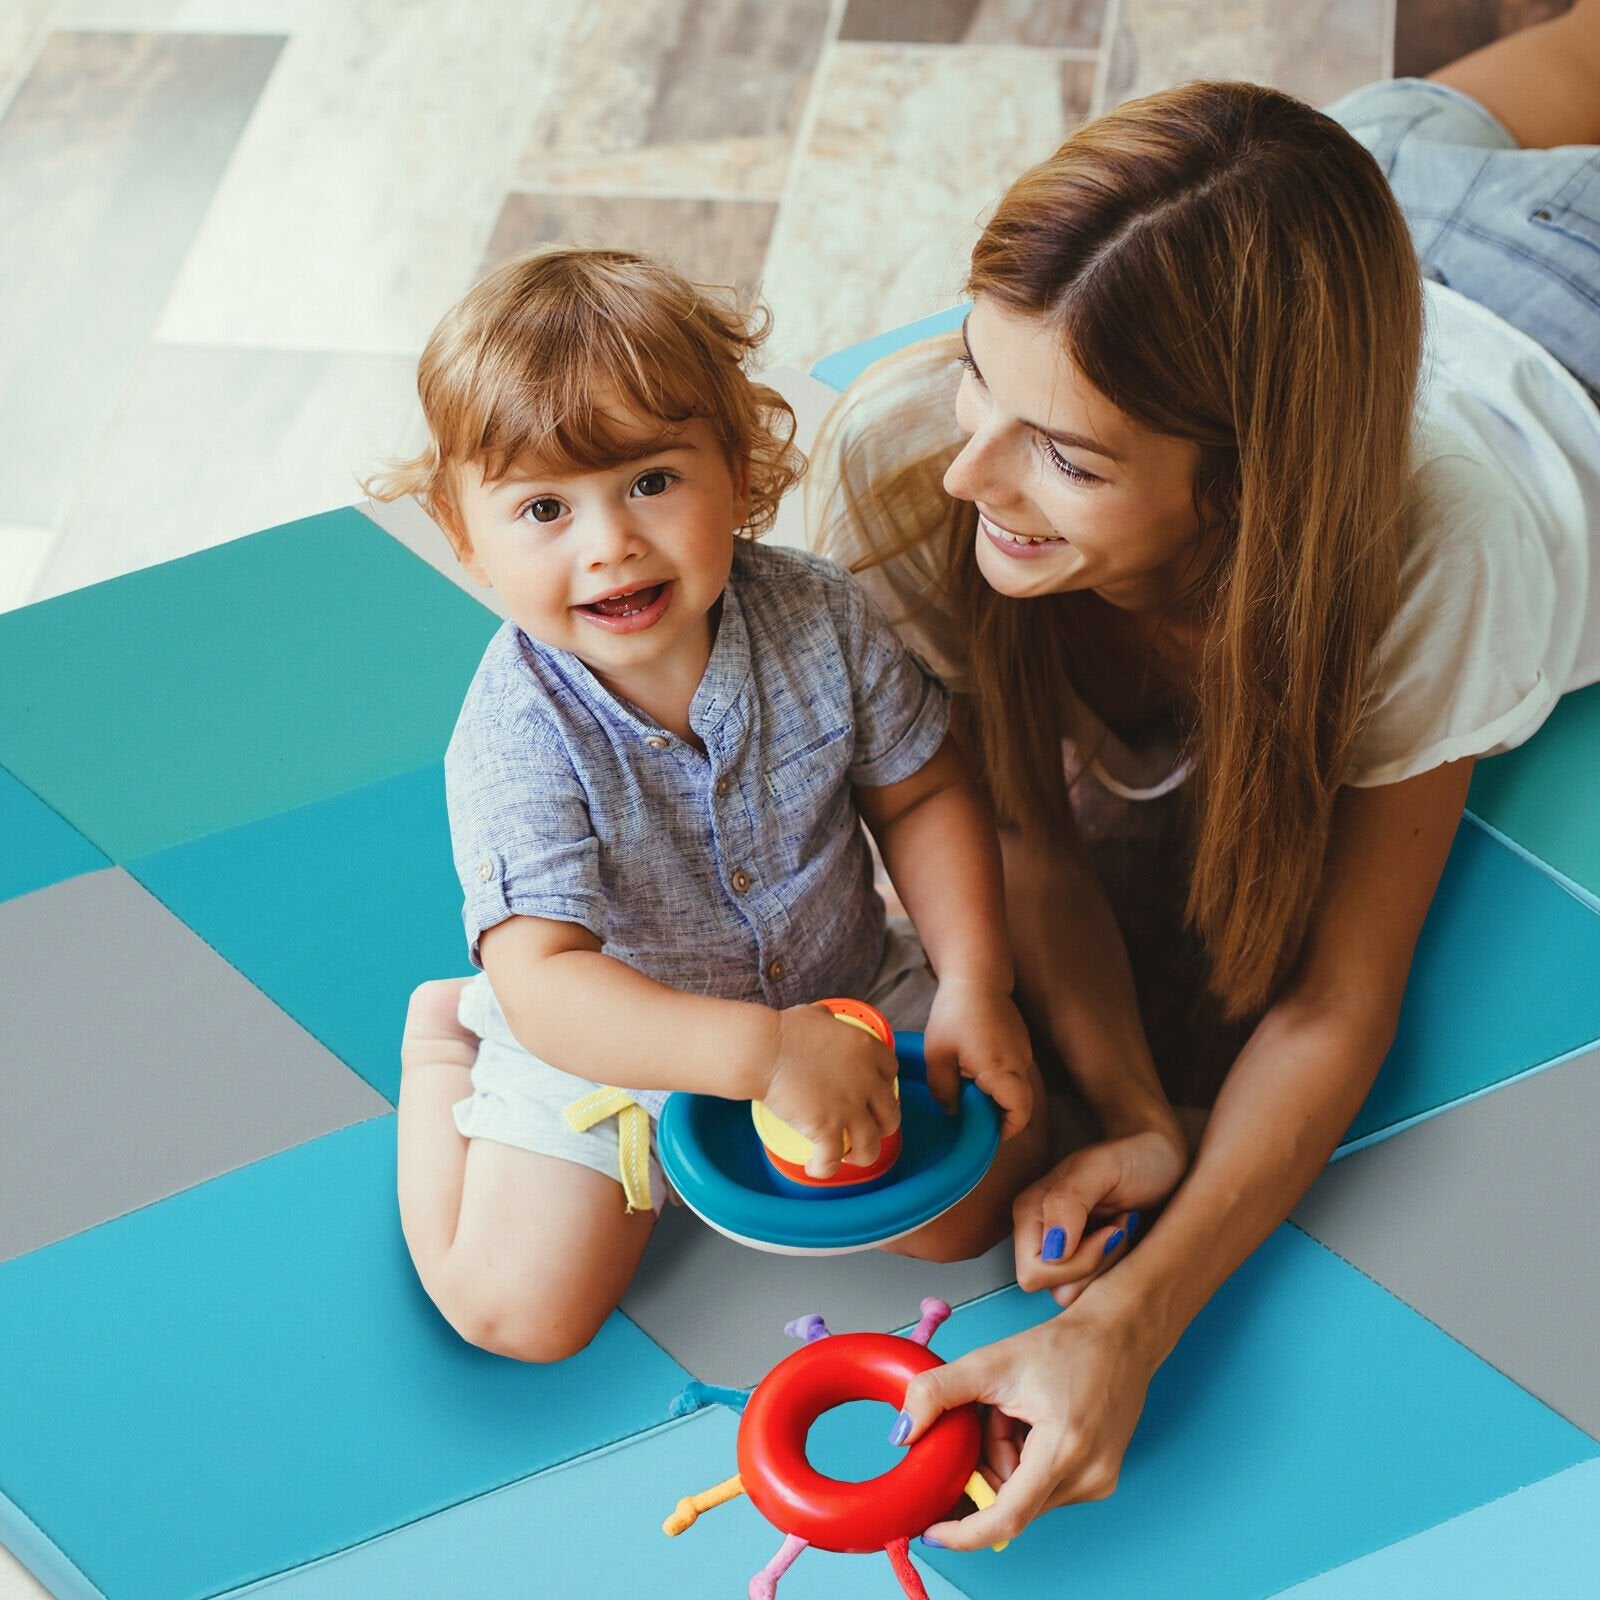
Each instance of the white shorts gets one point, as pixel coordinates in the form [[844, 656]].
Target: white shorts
[[519, 1100]]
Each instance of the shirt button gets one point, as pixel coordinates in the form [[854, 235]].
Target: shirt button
[[722, 787], [656, 741], [485, 871], [776, 970], [740, 881]]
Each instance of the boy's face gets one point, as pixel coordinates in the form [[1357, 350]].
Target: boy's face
[[620, 566]]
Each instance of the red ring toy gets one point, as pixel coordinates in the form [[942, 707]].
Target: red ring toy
[[851, 1518]]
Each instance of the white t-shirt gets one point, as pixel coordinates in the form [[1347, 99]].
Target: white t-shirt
[[1500, 614], [1500, 608]]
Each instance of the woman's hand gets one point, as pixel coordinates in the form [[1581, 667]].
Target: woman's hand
[[975, 1031], [1081, 1217], [1064, 1397]]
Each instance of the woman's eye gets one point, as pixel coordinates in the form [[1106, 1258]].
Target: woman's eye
[[652, 483], [545, 509], [1063, 466], [971, 366]]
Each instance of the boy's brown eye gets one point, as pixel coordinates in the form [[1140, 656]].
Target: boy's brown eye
[[652, 483], [544, 509]]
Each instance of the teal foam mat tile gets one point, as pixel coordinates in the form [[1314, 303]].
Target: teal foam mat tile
[[237, 683], [1541, 1543], [1306, 1419], [336, 910], [1542, 795], [1503, 982], [843, 367], [593, 1527], [248, 1377], [37, 846], [139, 1063]]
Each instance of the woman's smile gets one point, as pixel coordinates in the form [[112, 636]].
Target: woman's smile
[[1019, 544]]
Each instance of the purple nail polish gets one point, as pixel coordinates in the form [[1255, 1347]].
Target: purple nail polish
[[1055, 1245], [1114, 1241], [901, 1428], [932, 1543]]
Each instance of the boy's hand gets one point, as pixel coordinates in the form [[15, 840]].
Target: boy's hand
[[826, 1080], [976, 1032]]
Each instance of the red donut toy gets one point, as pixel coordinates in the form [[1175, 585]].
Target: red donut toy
[[853, 1517], [884, 1513]]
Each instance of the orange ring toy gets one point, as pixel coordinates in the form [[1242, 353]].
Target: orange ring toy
[[851, 1517]]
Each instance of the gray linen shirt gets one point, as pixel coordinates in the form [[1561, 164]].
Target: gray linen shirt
[[741, 873]]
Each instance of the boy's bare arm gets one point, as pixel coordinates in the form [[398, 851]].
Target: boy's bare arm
[[600, 1018], [939, 845], [597, 1017]]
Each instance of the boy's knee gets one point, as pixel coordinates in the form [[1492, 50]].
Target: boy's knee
[[523, 1330], [955, 1238]]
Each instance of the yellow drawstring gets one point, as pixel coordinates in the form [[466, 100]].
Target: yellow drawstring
[[633, 1138]]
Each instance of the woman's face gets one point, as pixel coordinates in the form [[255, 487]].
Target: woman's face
[[1071, 494]]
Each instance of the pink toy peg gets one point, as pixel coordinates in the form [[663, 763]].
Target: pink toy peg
[[765, 1583], [934, 1312]]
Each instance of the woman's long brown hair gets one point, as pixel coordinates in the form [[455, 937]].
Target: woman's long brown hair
[[1226, 266]]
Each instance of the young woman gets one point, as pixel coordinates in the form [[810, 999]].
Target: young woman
[[1213, 496]]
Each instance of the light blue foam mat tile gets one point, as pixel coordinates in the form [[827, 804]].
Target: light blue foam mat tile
[[247, 1377], [1503, 982], [1541, 1543], [336, 910], [245, 680], [843, 367], [593, 1527], [1306, 1419], [37, 846]]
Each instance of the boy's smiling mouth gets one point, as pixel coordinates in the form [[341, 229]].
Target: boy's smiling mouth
[[628, 610]]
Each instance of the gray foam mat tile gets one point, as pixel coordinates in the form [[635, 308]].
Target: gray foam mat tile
[[138, 1062], [1486, 1220], [718, 1308]]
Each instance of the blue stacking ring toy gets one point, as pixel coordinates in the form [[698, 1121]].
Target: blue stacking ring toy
[[712, 1156]]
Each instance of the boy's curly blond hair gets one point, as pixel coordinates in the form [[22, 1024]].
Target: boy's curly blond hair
[[519, 368]]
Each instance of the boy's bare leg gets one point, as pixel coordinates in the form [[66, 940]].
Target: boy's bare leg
[[1542, 84], [983, 1219], [436, 1056], [523, 1254]]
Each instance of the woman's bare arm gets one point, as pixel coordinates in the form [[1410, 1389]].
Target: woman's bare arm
[[1080, 1379]]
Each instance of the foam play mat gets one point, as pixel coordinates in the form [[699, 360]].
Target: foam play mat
[[224, 864]]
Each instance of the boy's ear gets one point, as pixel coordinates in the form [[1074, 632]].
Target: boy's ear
[[446, 515]]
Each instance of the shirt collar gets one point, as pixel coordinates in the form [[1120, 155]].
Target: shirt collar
[[728, 670], [726, 675]]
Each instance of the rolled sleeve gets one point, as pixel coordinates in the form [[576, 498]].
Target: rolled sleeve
[[902, 709], [520, 831]]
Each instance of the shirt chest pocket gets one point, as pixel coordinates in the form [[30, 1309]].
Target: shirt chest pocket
[[809, 766]]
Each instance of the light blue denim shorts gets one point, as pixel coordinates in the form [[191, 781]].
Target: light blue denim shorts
[[1516, 230]]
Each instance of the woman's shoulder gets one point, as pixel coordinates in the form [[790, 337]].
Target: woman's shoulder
[[1464, 667], [887, 440], [874, 493]]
